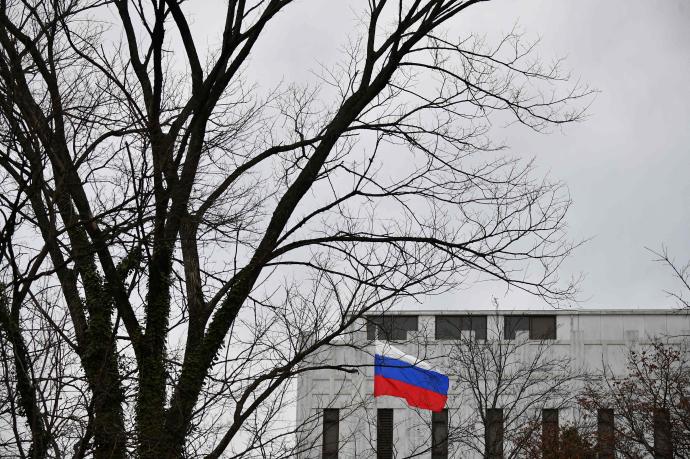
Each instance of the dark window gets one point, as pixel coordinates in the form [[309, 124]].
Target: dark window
[[384, 434], [331, 433], [605, 434], [439, 435], [542, 327], [390, 327], [494, 433], [663, 446], [513, 324], [539, 327], [549, 433], [451, 327]]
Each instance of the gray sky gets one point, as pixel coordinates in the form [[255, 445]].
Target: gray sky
[[626, 166]]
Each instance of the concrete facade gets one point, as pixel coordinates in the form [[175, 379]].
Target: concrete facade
[[587, 341]]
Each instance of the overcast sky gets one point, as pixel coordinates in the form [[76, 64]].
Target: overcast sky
[[627, 166]]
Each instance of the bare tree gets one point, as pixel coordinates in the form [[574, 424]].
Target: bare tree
[[650, 401], [570, 441], [177, 240], [681, 273], [520, 377]]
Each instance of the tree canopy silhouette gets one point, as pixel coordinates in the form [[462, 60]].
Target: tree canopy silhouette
[[176, 240]]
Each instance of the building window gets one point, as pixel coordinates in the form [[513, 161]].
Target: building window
[[390, 327], [331, 433], [513, 324], [439, 435], [539, 327], [549, 433], [384, 434], [663, 445], [494, 433], [605, 434], [451, 327], [542, 327]]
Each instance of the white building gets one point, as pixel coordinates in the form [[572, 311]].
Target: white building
[[547, 356]]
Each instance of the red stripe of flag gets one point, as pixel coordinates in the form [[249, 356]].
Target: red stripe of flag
[[415, 395]]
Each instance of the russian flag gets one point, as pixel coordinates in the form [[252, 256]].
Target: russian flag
[[400, 375]]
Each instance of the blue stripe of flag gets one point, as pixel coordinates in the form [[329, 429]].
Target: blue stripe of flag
[[406, 372]]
